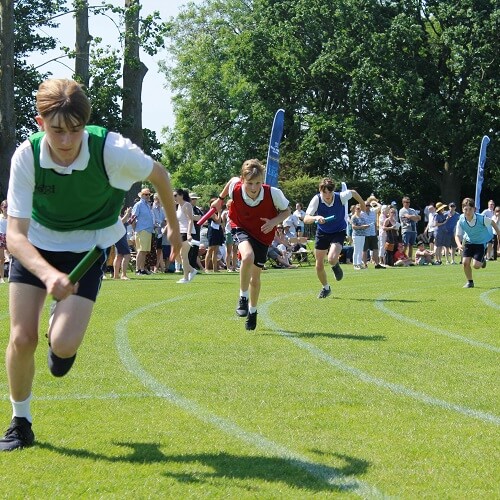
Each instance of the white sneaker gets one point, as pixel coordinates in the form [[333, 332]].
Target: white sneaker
[[192, 274], [183, 280]]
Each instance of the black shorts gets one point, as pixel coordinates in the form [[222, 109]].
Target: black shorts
[[122, 247], [88, 286], [474, 250], [259, 249], [324, 240], [371, 243]]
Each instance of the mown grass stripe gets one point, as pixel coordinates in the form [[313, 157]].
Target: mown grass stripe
[[329, 475], [380, 305], [365, 377]]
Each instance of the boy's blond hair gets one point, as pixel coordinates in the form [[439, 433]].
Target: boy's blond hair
[[252, 169]]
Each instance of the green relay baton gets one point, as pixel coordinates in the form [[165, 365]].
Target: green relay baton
[[85, 264]]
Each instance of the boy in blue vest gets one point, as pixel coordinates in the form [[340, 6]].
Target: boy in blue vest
[[327, 209], [472, 234], [67, 186]]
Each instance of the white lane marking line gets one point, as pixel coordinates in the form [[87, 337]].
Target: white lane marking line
[[329, 475], [365, 377], [486, 299], [379, 304]]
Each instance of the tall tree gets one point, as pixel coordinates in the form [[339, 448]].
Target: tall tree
[[7, 111], [82, 41]]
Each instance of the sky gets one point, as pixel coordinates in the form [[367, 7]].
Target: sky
[[156, 104]]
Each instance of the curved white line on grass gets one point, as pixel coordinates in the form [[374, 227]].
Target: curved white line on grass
[[486, 299], [327, 474], [365, 377], [379, 304]]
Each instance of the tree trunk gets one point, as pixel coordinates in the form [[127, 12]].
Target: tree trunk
[[82, 42], [450, 185], [7, 112], [134, 71]]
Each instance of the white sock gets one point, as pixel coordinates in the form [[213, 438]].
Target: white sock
[[244, 294], [22, 408], [327, 287], [252, 309]]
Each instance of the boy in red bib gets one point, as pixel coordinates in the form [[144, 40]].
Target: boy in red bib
[[255, 211]]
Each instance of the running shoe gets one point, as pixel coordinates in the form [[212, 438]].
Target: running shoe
[[324, 293], [59, 366], [18, 435], [337, 270], [242, 309], [251, 321]]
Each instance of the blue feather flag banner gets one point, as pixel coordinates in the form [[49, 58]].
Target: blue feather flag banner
[[273, 154], [480, 171]]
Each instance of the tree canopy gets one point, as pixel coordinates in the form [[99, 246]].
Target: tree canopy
[[384, 93]]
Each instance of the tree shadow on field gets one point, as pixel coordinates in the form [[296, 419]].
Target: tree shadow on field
[[375, 299], [346, 336], [205, 467]]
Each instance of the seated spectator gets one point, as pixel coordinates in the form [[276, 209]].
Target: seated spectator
[[400, 258], [423, 256]]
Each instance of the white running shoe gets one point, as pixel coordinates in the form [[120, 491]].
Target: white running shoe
[[183, 280], [192, 274]]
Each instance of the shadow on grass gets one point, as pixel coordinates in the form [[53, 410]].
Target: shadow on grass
[[347, 336], [401, 301], [292, 471]]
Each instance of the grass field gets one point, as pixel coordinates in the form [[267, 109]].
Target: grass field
[[388, 388]]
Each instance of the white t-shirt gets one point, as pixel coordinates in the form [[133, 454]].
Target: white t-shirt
[[279, 200], [345, 196], [125, 164]]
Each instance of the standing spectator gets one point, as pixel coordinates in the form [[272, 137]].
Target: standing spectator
[[231, 246], [186, 227], [451, 223], [215, 237], [331, 233], [159, 222], [360, 225], [195, 246], [496, 240], [143, 228], [472, 235], [3, 238], [391, 227], [122, 250], [382, 235], [439, 222], [408, 218], [489, 212], [293, 224], [430, 228], [255, 211], [371, 240], [300, 214], [87, 171]]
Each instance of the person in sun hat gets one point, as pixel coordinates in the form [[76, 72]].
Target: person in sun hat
[[66, 190], [440, 232], [472, 235], [143, 229]]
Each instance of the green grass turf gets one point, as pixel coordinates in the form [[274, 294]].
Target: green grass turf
[[389, 387]]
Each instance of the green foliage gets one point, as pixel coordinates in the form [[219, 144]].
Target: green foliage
[[399, 86], [31, 17]]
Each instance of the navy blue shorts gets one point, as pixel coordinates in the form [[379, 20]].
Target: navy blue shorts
[[474, 250], [259, 249], [324, 240], [88, 286], [122, 247]]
